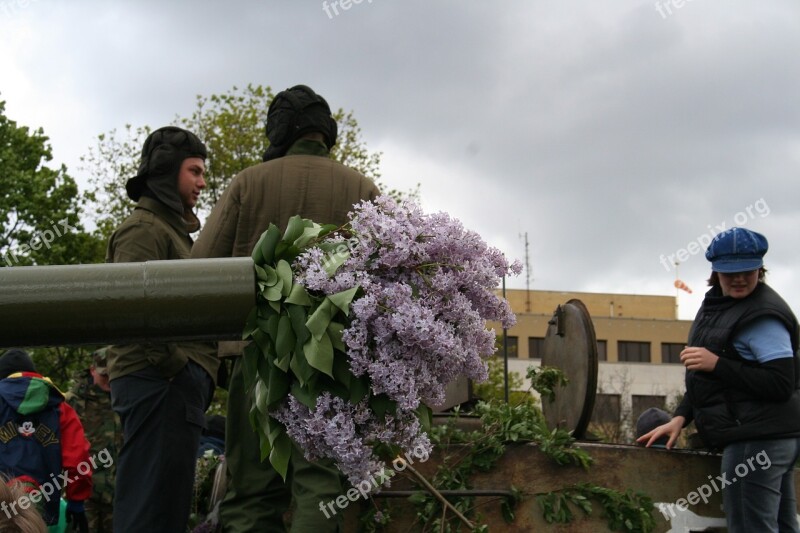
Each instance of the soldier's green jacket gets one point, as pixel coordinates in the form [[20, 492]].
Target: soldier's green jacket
[[317, 188], [155, 232]]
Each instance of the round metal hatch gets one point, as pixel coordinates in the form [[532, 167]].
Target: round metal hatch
[[571, 346]]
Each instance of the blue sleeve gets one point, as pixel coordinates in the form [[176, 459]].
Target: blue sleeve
[[764, 340]]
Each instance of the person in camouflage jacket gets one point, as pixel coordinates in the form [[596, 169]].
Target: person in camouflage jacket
[[90, 396]]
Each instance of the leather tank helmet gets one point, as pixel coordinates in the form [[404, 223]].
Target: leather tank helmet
[[162, 155], [293, 113]]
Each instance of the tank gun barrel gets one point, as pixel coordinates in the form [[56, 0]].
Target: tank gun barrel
[[154, 301]]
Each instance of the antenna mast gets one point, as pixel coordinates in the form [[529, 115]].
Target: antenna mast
[[527, 278]]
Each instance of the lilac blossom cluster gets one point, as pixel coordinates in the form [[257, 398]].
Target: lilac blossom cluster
[[346, 432], [428, 288]]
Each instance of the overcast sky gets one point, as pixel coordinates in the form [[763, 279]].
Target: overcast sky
[[615, 133]]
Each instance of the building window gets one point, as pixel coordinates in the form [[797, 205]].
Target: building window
[[606, 409], [671, 352], [535, 347], [602, 350], [633, 352], [512, 347], [641, 403]]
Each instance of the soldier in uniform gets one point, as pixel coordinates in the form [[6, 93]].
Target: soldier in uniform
[[160, 390], [298, 177], [90, 396]]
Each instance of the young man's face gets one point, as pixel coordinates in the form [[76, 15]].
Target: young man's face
[[190, 180]]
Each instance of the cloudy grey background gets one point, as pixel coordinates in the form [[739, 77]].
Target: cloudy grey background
[[611, 132]]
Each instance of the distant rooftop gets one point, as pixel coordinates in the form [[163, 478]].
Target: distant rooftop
[[598, 304]]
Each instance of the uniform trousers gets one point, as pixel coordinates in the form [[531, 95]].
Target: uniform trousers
[[162, 420], [257, 497]]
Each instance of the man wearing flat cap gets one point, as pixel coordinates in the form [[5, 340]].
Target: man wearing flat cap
[[297, 177], [160, 390]]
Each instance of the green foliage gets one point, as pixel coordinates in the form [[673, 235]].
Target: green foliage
[[629, 511], [375, 519], [467, 453], [524, 423], [109, 164], [545, 380], [350, 148], [494, 387], [219, 403], [297, 338], [60, 363], [40, 209], [232, 126], [40, 212]]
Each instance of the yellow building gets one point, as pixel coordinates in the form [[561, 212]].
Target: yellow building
[[639, 339]]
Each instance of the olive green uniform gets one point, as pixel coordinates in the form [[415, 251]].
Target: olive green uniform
[[155, 232], [308, 183], [159, 390]]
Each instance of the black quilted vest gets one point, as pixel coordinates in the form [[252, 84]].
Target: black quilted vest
[[724, 414]]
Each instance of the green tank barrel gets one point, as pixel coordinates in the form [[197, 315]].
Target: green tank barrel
[[191, 299]]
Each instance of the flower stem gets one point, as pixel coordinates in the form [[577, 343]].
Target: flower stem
[[437, 494]]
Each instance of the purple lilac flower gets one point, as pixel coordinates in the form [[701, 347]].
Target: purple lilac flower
[[428, 288], [345, 432]]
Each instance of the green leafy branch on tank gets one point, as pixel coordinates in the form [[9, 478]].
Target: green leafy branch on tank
[[470, 452], [628, 511], [545, 380]]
